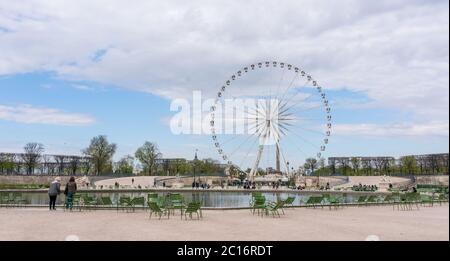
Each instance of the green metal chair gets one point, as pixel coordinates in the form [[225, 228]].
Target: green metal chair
[[200, 204], [408, 200], [387, 199], [371, 200], [192, 207], [335, 201], [2, 195], [19, 199], [273, 208], [106, 201], [440, 197], [259, 203], [7, 199], [314, 201], [77, 201], [151, 196], [414, 199], [138, 201], [256, 194], [361, 200], [426, 199], [124, 203], [89, 202], [160, 211], [289, 201]]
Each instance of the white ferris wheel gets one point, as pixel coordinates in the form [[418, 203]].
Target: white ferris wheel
[[270, 116]]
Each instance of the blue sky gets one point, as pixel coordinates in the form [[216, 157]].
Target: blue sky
[[67, 75]]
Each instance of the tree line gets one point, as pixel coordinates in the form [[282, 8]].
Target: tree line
[[97, 159], [429, 164]]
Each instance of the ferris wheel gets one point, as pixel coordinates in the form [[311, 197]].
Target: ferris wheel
[[270, 116]]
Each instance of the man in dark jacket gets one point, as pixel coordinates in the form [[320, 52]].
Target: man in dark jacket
[[53, 192]]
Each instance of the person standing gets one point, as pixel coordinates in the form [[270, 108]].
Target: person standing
[[70, 190], [53, 191]]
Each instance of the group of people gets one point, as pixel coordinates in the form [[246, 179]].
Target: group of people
[[200, 185], [361, 187], [249, 185], [276, 185], [55, 190]]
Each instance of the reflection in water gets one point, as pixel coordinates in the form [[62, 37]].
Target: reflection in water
[[209, 198]]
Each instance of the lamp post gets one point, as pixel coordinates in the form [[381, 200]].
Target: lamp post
[[193, 169], [287, 163]]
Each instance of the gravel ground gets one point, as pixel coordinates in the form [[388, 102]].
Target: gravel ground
[[350, 223]]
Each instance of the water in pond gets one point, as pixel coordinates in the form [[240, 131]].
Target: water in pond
[[209, 198]]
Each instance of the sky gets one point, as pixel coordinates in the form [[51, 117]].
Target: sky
[[71, 70]]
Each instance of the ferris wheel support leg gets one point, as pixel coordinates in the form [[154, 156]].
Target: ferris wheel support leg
[[278, 158], [256, 164], [284, 159]]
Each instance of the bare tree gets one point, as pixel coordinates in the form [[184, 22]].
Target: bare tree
[[444, 163], [3, 161], [61, 161], [86, 164], [332, 164], [422, 163], [343, 162], [311, 164], [74, 164], [32, 155], [378, 162], [48, 164], [367, 165], [356, 162]]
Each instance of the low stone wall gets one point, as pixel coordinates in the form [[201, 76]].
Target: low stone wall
[[30, 179], [169, 181], [434, 180], [44, 179], [313, 181]]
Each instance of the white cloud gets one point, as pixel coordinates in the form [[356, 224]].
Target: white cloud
[[400, 130], [29, 114], [81, 87], [395, 51]]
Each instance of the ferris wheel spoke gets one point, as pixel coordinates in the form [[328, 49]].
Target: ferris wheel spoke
[[279, 82], [297, 127], [299, 109], [281, 130], [286, 102], [258, 127], [296, 121], [298, 147], [294, 104], [248, 138], [256, 111], [248, 153], [289, 88], [229, 140], [304, 140], [240, 146]]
